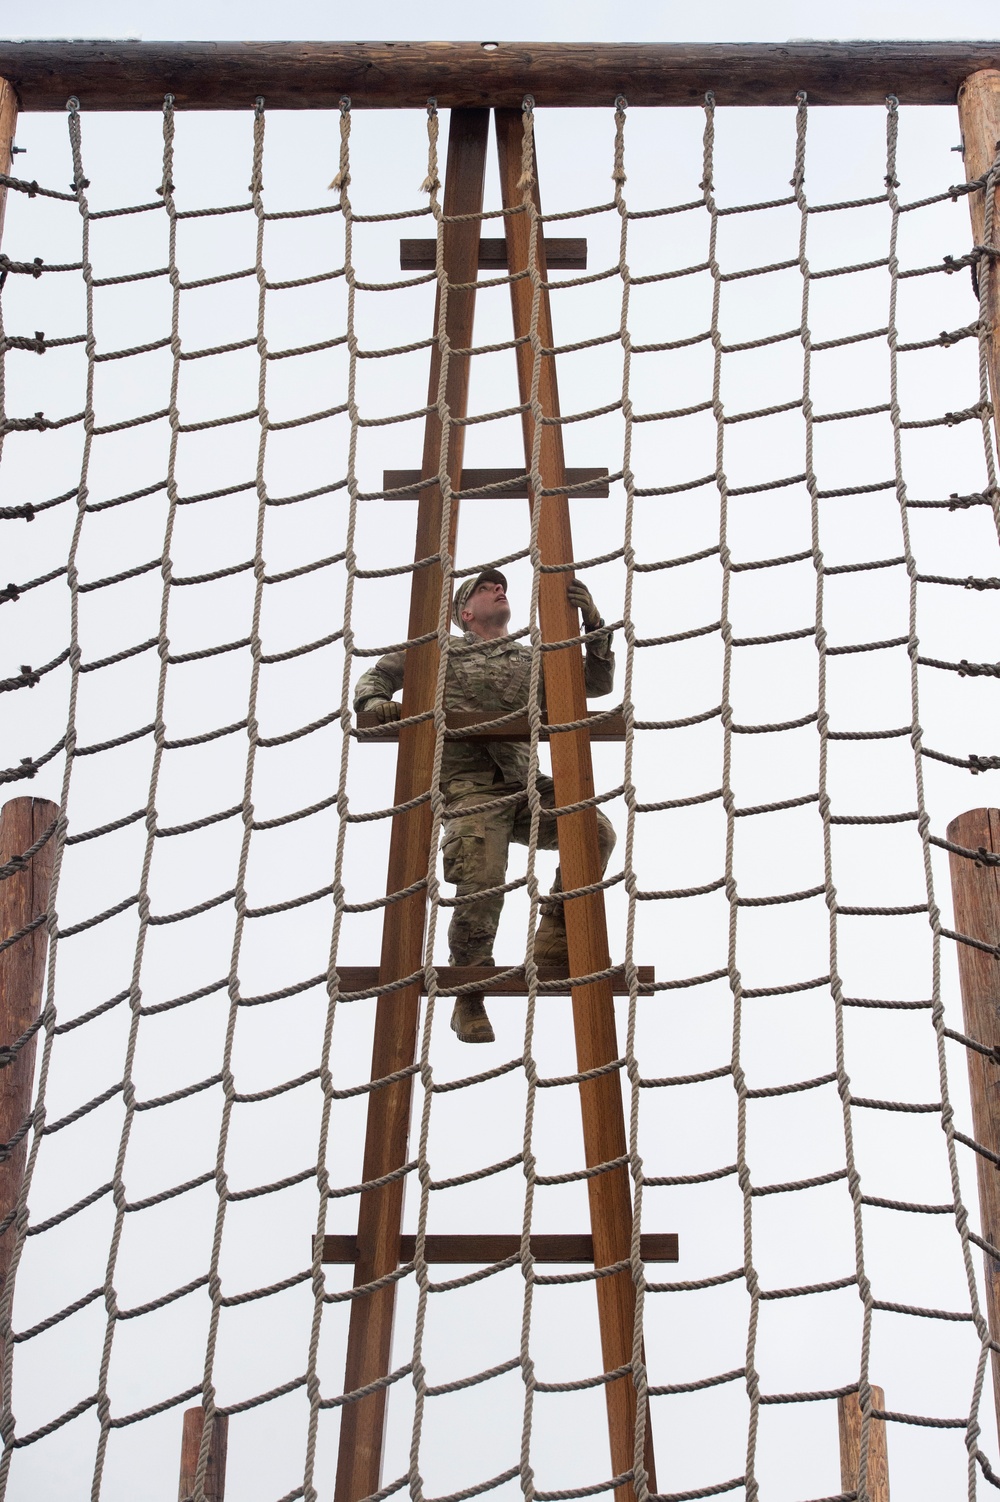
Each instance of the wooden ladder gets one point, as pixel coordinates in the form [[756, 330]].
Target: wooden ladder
[[377, 1248]]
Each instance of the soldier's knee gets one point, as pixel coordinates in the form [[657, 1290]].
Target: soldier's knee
[[606, 837], [474, 852], [472, 930]]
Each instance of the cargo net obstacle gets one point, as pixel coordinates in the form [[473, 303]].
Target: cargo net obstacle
[[785, 503]]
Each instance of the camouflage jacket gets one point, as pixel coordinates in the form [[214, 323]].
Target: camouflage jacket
[[491, 676]]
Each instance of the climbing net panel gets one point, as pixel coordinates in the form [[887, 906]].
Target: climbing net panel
[[213, 404]]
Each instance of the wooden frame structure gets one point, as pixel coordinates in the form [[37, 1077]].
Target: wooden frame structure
[[471, 79], [401, 75], [380, 1213]]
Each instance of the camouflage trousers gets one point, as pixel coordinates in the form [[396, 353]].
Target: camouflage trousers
[[474, 850]]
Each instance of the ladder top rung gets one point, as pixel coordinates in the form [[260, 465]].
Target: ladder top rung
[[364, 977], [560, 254], [655, 1246], [608, 727], [592, 482]]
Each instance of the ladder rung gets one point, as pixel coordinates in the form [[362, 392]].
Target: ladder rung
[[364, 977], [654, 1246], [593, 481], [560, 254], [609, 728]]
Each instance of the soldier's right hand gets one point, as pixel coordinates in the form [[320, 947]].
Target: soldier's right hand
[[386, 711]]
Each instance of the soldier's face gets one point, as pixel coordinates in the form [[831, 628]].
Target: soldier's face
[[486, 606]]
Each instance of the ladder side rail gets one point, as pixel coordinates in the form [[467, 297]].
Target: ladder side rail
[[604, 1132], [380, 1210]]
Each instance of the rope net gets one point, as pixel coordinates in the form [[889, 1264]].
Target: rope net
[[797, 556]]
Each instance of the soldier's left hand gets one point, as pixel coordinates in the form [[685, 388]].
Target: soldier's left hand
[[579, 595]]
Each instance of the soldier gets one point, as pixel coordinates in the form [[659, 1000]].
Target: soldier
[[490, 673]]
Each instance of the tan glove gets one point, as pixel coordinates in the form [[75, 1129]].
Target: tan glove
[[386, 711], [579, 595]]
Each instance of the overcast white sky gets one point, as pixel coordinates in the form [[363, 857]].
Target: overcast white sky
[[548, 20]]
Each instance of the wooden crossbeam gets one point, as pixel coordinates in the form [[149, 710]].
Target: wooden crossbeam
[[654, 1246], [206, 75], [593, 483], [611, 728], [563, 255], [363, 977]]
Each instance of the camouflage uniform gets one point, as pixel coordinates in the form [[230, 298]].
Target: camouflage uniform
[[491, 677]]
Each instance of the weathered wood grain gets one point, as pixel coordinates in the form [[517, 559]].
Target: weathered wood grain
[[849, 1421], [380, 1211], [979, 114], [579, 856], [215, 1474], [8, 125], [976, 893], [24, 897], [110, 75]]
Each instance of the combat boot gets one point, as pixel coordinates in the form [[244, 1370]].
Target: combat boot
[[551, 947], [469, 1019]]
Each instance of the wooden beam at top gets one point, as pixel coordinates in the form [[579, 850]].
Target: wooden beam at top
[[123, 75]]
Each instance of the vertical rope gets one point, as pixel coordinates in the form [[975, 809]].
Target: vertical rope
[[987, 278], [530, 1169], [735, 981], [247, 810], [341, 182], [639, 1376], [159, 736], [48, 1017], [923, 820], [432, 185], [823, 725]]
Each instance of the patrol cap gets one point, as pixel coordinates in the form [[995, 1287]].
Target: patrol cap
[[465, 589]]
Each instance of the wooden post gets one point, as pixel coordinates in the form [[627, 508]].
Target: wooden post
[[24, 897], [849, 1419], [8, 124], [579, 856], [380, 1210], [976, 892], [979, 114], [215, 1473]]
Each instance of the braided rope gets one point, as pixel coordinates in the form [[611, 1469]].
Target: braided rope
[[332, 714]]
